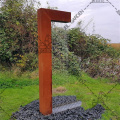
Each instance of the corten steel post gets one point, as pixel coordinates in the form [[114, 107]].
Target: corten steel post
[[45, 16]]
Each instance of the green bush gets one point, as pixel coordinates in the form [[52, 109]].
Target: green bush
[[98, 59], [18, 29], [63, 59], [28, 61], [86, 46]]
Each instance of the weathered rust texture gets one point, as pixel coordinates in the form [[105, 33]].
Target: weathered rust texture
[[45, 16]]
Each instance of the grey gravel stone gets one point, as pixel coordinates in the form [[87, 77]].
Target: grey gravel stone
[[31, 111]]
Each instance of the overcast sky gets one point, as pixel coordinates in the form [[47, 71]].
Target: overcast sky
[[102, 17]]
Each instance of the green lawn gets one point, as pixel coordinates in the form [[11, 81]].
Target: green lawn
[[90, 92]]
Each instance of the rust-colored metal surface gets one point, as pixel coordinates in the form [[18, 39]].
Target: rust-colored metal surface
[[45, 16]]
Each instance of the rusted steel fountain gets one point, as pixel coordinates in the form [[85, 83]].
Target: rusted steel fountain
[[45, 16]]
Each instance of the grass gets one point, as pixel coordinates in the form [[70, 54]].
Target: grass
[[93, 91], [90, 92], [13, 98]]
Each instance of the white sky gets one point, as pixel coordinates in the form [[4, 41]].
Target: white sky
[[105, 19]]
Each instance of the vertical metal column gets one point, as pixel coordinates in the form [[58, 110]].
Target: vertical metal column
[[45, 16]]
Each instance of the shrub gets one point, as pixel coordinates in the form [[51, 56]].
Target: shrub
[[27, 62], [63, 59], [97, 57], [18, 29]]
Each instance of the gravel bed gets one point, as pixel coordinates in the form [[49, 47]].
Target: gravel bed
[[31, 111]]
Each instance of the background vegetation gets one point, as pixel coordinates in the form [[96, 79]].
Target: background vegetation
[[115, 45], [79, 60]]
